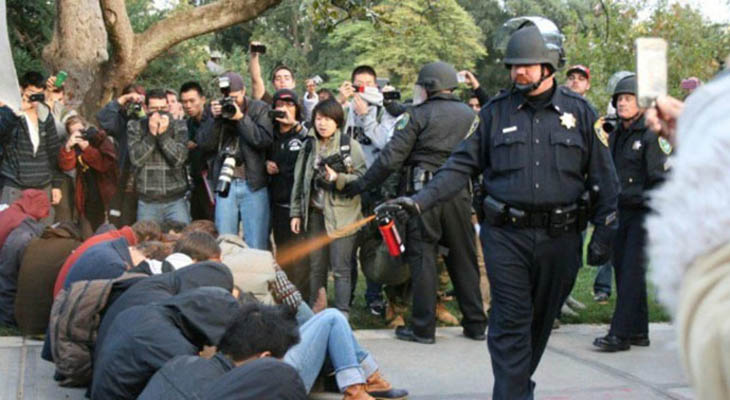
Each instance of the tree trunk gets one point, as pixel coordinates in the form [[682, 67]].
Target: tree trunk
[[84, 28]]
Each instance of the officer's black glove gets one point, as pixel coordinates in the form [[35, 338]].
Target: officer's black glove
[[599, 249], [402, 207], [353, 188]]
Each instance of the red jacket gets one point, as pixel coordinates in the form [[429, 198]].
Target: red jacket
[[33, 203], [101, 158], [126, 232]]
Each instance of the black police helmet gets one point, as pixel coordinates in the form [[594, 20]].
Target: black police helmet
[[437, 76], [535, 41], [627, 85]]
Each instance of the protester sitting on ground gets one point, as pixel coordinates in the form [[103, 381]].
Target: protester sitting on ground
[[201, 225], [264, 378], [315, 207], [93, 157], [139, 232], [143, 338], [110, 259], [11, 255], [189, 248], [328, 335], [42, 259], [258, 332], [33, 203], [132, 292]]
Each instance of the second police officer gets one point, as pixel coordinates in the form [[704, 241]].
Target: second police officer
[[424, 137], [641, 160], [540, 155]]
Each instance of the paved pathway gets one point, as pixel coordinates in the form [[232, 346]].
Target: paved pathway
[[453, 368]]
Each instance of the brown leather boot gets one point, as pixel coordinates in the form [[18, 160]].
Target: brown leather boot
[[378, 387], [357, 392], [443, 315]]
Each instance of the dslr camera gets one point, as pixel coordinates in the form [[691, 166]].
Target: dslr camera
[[228, 103], [609, 123], [89, 134], [39, 97], [225, 177], [274, 114], [135, 111], [338, 163]]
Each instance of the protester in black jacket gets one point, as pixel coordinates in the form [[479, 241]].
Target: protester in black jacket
[[133, 292], [143, 338]]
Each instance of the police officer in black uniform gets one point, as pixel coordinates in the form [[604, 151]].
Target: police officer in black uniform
[[540, 157], [641, 160], [423, 139]]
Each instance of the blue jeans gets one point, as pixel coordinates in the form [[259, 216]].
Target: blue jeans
[[253, 209], [604, 279], [329, 334], [175, 210]]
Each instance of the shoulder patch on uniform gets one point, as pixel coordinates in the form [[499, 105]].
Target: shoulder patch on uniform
[[600, 133], [473, 127], [665, 145], [403, 121]]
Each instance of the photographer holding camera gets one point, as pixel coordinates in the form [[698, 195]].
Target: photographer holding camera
[[30, 145], [241, 134], [93, 156], [113, 119], [158, 152]]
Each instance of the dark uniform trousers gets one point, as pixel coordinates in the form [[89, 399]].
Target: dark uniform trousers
[[530, 275], [631, 316], [448, 223]]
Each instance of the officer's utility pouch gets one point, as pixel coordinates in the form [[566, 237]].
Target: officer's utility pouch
[[495, 212], [563, 220], [418, 177]]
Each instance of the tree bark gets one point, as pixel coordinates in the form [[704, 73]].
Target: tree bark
[[83, 29]]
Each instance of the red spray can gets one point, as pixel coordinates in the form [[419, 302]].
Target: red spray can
[[386, 225]]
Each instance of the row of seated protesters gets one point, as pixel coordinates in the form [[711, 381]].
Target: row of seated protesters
[[154, 298]]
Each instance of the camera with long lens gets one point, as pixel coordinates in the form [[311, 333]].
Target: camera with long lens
[[610, 122], [223, 185], [337, 162], [228, 103]]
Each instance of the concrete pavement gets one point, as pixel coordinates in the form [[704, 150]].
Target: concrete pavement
[[453, 368]]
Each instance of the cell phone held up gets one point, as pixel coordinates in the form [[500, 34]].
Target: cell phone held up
[[258, 48], [274, 114], [651, 70]]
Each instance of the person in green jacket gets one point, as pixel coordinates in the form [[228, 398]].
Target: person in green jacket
[[329, 160]]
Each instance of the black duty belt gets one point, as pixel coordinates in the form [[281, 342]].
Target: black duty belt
[[557, 221]]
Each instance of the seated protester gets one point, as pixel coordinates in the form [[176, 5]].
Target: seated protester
[[93, 157], [39, 266], [289, 137], [141, 231], [33, 203], [132, 292], [11, 255], [143, 338], [108, 260], [315, 206], [202, 225], [30, 146], [263, 378], [190, 248], [328, 335], [171, 230], [158, 152], [240, 140], [257, 332], [114, 119]]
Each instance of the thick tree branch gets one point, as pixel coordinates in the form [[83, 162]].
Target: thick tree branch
[[194, 22], [119, 29]]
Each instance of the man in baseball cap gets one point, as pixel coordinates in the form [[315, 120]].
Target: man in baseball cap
[[579, 79]]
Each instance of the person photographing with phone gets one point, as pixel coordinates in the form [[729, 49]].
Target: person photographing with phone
[[93, 156], [30, 145], [289, 137]]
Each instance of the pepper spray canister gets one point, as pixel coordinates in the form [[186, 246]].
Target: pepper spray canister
[[386, 225]]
